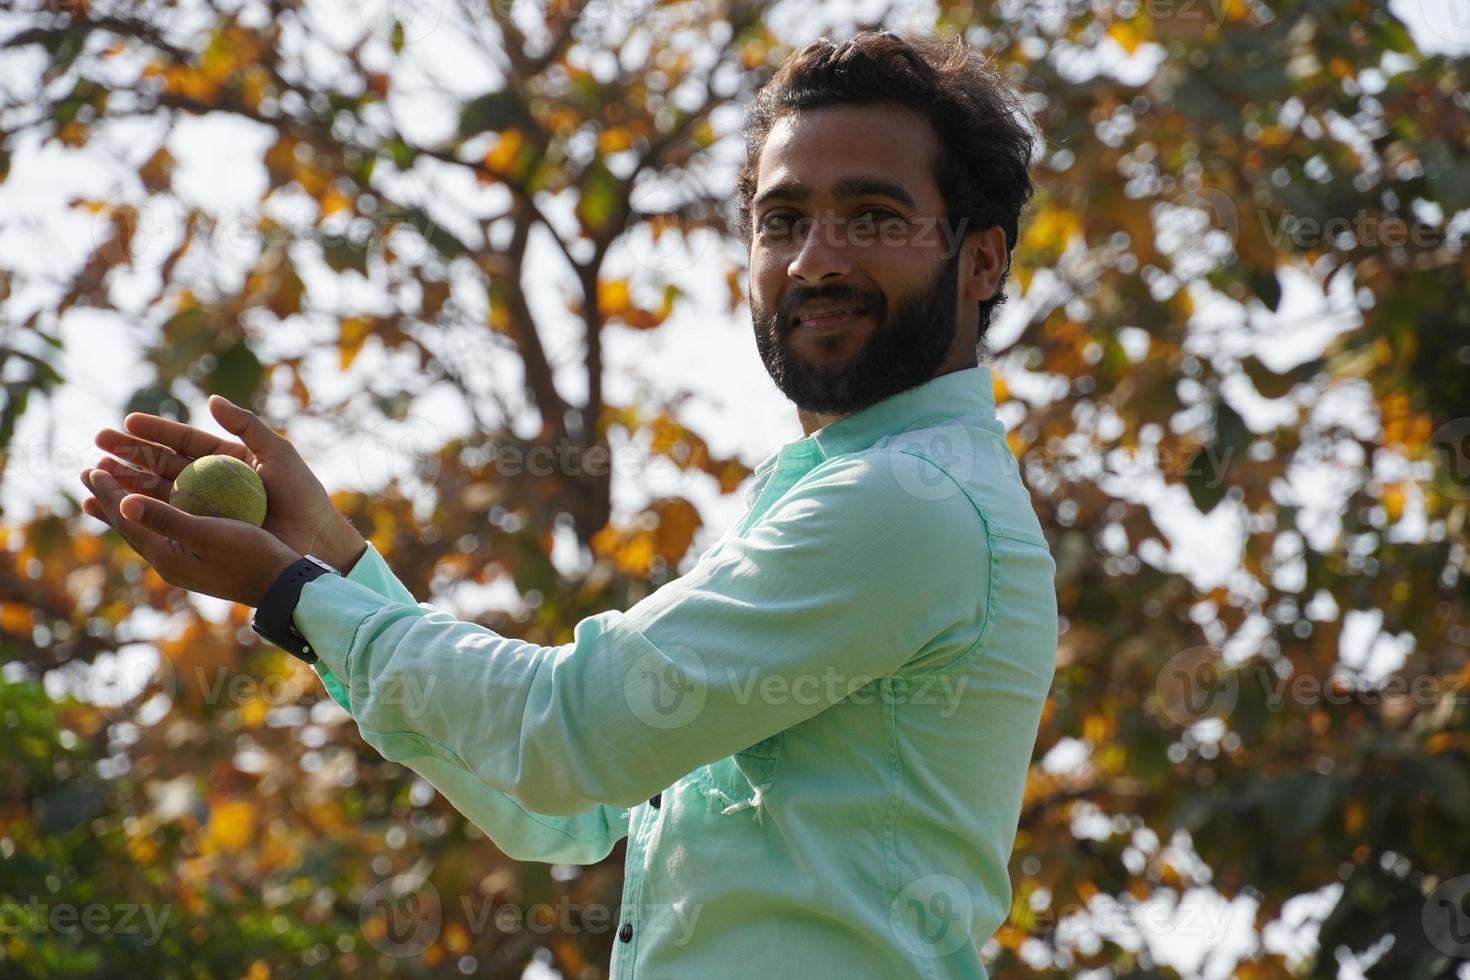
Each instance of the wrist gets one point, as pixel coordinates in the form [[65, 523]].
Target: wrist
[[343, 548]]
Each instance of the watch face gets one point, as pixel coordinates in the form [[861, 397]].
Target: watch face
[[320, 564]]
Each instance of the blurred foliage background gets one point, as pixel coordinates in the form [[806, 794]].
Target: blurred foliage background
[[1216, 749]]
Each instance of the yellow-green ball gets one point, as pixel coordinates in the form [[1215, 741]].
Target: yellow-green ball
[[220, 486]]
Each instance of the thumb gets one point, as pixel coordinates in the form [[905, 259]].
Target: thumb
[[165, 519], [258, 437]]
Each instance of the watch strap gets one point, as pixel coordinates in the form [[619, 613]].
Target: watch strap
[[272, 619]]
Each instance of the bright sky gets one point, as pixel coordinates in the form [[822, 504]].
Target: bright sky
[[703, 350]]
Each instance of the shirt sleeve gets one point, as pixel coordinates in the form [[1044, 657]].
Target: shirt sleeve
[[583, 838], [856, 572]]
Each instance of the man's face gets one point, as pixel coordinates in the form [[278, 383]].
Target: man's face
[[881, 245]]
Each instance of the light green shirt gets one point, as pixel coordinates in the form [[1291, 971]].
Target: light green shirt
[[816, 741]]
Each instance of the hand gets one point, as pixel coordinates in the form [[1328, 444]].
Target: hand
[[217, 556], [300, 513]]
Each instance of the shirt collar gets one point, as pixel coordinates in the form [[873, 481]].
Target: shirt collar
[[968, 391]]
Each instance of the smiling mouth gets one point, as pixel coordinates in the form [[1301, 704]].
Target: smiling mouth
[[830, 321]]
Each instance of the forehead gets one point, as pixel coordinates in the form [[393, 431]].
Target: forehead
[[817, 147]]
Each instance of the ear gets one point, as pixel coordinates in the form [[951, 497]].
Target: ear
[[984, 263]]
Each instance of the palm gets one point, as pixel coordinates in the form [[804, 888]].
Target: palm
[[293, 513], [154, 450]]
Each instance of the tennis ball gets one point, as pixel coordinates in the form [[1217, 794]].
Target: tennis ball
[[220, 486]]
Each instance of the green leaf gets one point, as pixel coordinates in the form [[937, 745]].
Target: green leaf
[[400, 153], [1298, 802], [1192, 812], [1264, 285], [494, 111], [44, 376], [69, 805], [1273, 385], [156, 399], [1449, 787], [341, 254], [415, 217], [1207, 476], [236, 374], [599, 198], [17, 394]]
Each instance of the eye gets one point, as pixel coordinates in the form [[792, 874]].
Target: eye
[[884, 215], [774, 220], [782, 222]]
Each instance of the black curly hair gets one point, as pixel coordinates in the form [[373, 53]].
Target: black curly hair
[[985, 130]]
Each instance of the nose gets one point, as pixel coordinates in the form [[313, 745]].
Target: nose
[[821, 255]]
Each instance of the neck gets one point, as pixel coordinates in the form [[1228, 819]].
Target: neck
[[812, 421]]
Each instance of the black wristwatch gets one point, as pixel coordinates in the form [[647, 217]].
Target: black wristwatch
[[273, 619]]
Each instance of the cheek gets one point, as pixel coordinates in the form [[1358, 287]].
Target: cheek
[[765, 278], [764, 260], [904, 272]]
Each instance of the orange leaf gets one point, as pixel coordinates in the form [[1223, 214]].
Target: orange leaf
[[231, 826], [355, 331], [504, 154], [614, 138], [15, 617], [677, 521], [612, 296]]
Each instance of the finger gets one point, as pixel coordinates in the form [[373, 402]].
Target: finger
[[162, 520], [91, 508], [137, 481], [150, 457], [258, 437], [109, 497], [91, 505], [186, 440]]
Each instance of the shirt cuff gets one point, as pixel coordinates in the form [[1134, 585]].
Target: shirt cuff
[[372, 571], [332, 607]]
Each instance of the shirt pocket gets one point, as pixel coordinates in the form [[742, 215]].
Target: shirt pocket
[[740, 781], [758, 763]]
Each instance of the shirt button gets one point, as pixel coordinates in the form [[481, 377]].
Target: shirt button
[[625, 934], [656, 800]]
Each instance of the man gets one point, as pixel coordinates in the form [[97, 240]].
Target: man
[[816, 741]]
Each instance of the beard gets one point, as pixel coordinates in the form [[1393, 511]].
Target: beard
[[905, 347]]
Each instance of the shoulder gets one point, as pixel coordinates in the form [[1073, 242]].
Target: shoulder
[[890, 487]]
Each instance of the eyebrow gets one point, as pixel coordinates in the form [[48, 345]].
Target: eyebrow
[[846, 187]]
